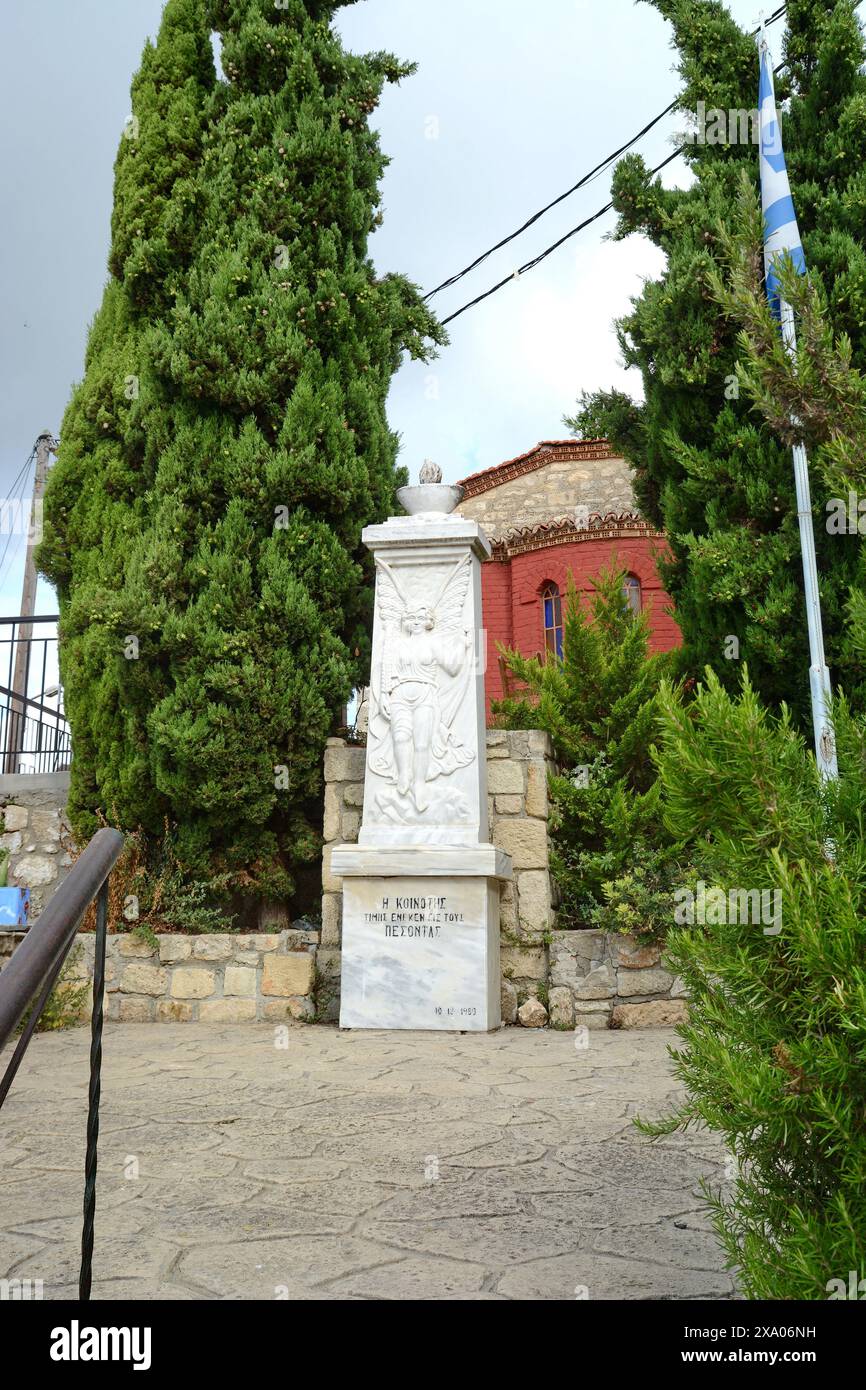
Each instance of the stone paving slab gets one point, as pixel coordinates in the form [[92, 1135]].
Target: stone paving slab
[[358, 1166]]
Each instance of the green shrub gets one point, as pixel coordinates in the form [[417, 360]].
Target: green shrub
[[708, 470], [151, 892], [229, 441], [640, 902], [599, 705], [68, 1003], [773, 1053]]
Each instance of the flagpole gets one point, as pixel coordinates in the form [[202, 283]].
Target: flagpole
[[819, 673], [820, 687]]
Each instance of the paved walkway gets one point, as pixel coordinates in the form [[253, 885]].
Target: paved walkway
[[357, 1166]]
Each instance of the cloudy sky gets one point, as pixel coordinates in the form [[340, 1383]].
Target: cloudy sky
[[511, 104]]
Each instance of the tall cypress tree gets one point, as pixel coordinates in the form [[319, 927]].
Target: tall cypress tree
[[203, 522], [706, 469]]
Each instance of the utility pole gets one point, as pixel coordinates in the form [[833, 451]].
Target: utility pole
[[46, 445]]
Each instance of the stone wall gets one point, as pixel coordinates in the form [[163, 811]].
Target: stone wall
[[550, 481], [223, 977], [567, 978], [600, 979], [344, 798], [36, 832], [517, 766]]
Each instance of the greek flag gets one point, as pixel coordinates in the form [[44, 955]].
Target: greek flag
[[781, 232]]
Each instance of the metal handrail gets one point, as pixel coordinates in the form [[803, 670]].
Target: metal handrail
[[31, 618], [33, 971], [35, 737], [34, 704]]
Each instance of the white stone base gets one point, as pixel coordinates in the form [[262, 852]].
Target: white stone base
[[418, 861], [421, 950]]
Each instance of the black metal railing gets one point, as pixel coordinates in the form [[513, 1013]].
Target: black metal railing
[[34, 733], [31, 975]]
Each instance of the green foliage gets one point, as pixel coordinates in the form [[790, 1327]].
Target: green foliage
[[716, 476], [607, 415], [774, 1045], [68, 1004], [640, 901], [177, 903], [166, 898], [816, 396], [598, 705], [229, 442], [774, 1049]]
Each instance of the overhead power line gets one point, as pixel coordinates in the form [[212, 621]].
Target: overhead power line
[[16, 494], [24, 469], [587, 178], [536, 260]]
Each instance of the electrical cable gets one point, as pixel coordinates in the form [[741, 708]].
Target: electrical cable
[[12, 559], [21, 484], [536, 260], [581, 183], [25, 466], [587, 178]]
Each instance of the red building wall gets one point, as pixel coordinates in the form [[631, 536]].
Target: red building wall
[[511, 594]]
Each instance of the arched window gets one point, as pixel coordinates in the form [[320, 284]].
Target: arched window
[[631, 593], [551, 603]]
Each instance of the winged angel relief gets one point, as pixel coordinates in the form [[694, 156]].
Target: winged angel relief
[[417, 689]]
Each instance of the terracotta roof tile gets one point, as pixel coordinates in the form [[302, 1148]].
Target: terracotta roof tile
[[544, 452], [565, 530]]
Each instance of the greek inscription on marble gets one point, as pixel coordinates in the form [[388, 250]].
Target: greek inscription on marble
[[410, 915]]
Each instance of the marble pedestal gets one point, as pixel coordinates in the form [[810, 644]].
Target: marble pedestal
[[420, 936], [420, 945]]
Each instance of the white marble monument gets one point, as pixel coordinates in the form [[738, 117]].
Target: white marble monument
[[421, 887]]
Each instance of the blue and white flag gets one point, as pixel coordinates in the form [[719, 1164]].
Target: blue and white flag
[[781, 232]]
